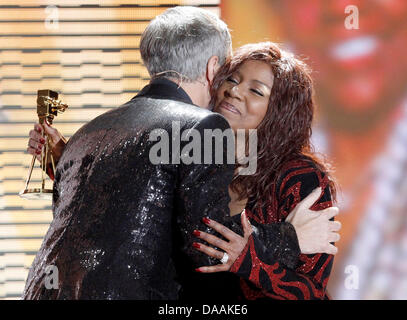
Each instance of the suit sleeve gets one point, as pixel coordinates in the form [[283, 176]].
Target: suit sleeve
[[202, 190], [279, 239], [309, 278]]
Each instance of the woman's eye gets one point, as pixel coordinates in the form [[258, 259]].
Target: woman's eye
[[231, 80], [257, 92]]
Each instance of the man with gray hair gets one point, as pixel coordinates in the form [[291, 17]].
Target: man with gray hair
[[123, 226]]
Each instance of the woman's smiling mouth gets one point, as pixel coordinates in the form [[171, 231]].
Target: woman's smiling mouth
[[229, 107]]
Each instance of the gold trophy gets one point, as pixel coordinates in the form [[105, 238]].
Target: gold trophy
[[48, 107]]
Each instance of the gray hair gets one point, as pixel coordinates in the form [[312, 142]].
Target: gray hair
[[181, 40]]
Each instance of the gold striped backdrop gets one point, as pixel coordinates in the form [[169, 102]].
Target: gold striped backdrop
[[88, 52]]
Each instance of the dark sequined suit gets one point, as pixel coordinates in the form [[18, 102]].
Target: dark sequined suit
[[122, 226]]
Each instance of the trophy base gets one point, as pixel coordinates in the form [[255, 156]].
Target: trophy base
[[36, 194]]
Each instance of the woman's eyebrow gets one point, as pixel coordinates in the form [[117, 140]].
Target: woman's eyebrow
[[262, 83]]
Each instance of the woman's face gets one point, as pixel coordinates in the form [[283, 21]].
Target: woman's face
[[243, 97]]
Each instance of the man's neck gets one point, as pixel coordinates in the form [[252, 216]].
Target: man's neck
[[197, 91]]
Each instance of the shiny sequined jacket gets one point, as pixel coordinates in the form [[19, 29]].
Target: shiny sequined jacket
[[262, 275], [122, 226]]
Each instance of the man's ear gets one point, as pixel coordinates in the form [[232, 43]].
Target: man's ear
[[211, 68]]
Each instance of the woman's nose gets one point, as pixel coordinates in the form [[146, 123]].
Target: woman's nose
[[234, 92]]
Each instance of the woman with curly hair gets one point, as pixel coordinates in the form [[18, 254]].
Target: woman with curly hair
[[266, 88]]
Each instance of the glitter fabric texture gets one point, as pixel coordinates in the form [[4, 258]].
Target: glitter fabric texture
[[122, 226]]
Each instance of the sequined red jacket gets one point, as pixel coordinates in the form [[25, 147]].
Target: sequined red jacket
[[261, 273]]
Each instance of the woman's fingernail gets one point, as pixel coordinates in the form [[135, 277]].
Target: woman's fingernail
[[38, 151], [198, 270], [42, 140], [196, 245], [196, 233], [206, 220]]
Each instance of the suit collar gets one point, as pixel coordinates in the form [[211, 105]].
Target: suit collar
[[162, 88]]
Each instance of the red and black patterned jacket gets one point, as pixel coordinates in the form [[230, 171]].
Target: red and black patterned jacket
[[262, 274]]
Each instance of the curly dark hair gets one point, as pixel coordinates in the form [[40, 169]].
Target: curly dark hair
[[284, 133]]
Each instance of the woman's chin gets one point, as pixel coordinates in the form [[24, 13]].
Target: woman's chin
[[226, 115]]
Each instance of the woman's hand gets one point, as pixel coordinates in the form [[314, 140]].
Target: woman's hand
[[233, 247], [57, 141]]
